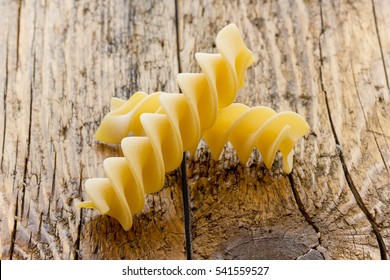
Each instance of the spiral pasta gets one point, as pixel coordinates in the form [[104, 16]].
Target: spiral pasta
[[164, 126], [260, 127], [216, 87]]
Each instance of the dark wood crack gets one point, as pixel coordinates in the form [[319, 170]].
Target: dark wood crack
[[347, 175], [301, 208]]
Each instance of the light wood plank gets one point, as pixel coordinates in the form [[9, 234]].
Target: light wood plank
[[62, 61], [290, 40], [66, 60]]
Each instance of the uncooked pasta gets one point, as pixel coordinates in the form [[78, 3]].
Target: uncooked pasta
[[163, 125]]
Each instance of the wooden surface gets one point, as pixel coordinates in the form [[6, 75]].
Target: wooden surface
[[62, 61]]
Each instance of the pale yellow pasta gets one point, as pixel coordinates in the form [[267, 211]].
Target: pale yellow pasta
[[260, 127], [165, 125], [216, 87]]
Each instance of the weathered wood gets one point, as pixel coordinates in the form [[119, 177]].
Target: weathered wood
[[296, 44], [62, 61], [356, 91]]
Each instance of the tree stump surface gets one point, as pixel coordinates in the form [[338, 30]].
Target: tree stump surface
[[62, 61]]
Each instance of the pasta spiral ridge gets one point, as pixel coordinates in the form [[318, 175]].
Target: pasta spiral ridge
[[164, 125], [260, 127]]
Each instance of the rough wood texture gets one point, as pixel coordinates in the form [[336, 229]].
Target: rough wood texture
[[62, 61]]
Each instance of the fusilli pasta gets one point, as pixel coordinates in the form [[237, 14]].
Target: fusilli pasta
[[259, 127], [165, 125]]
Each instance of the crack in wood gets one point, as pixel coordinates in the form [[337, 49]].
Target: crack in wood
[[5, 107], [76, 249], [362, 206], [15, 225], [18, 32], [53, 179], [350, 183], [187, 208], [28, 139], [177, 27], [183, 167], [302, 209], [39, 226]]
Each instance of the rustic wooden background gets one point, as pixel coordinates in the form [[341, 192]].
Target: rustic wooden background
[[62, 61]]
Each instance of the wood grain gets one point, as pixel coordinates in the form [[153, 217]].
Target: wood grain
[[65, 61], [62, 61]]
